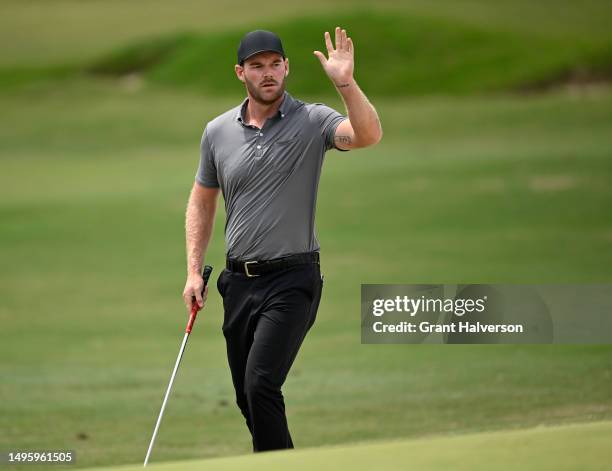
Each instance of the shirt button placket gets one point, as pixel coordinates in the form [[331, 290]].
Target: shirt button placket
[[259, 150]]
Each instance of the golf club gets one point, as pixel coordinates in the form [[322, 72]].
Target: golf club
[[192, 317]]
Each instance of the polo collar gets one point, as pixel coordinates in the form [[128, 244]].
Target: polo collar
[[287, 105], [284, 109]]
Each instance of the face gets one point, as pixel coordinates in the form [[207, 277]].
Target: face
[[264, 76]]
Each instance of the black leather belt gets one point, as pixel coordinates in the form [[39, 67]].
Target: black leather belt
[[253, 268]]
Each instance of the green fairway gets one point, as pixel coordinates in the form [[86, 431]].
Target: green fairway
[[466, 186], [473, 189], [583, 447]]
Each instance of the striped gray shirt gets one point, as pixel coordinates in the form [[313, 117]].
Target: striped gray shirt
[[269, 177]]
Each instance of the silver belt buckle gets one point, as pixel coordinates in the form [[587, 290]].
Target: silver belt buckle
[[246, 269]]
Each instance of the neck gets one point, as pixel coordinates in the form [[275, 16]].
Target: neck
[[259, 112]]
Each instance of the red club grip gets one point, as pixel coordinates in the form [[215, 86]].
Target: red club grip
[[194, 305]]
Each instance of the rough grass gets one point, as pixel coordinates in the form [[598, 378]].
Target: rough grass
[[395, 56], [43, 32]]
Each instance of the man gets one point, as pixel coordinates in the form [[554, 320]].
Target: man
[[266, 156]]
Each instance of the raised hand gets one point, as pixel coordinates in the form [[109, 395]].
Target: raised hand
[[340, 62]]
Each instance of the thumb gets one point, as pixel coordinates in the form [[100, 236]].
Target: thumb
[[321, 57]]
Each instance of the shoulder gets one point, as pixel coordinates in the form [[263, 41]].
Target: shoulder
[[302, 106], [315, 107], [317, 115], [320, 112], [217, 125]]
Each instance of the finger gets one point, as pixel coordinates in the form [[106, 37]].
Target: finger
[[321, 57], [349, 43], [328, 42], [338, 38], [343, 42], [198, 298]]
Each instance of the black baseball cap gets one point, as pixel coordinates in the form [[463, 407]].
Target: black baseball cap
[[259, 41]]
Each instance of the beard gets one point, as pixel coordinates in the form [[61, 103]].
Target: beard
[[255, 92]]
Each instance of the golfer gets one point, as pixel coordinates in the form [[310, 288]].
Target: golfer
[[265, 155]]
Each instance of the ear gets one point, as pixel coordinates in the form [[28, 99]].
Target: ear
[[286, 67], [239, 72]]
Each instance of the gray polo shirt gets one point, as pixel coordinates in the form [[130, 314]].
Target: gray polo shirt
[[269, 177]]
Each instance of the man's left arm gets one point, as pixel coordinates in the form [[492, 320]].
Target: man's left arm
[[362, 128]]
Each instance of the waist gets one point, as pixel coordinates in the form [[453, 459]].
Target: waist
[[253, 268]]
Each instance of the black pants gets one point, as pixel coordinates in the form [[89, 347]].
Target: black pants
[[266, 319]]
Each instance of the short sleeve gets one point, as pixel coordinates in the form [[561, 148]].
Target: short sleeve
[[207, 170], [328, 120]]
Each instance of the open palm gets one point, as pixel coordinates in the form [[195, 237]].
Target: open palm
[[340, 62]]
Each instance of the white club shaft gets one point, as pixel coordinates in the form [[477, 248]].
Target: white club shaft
[[161, 412]]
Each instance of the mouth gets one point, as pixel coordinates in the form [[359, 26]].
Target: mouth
[[268, 85]]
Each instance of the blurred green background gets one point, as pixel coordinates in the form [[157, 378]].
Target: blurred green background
[[496, 166]]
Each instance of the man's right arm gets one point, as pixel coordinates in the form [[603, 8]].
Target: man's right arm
[[199, 222]]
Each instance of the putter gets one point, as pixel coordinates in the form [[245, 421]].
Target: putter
[[192, 317]]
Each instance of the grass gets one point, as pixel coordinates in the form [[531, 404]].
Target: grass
[[465, 187], [491, 189], [395, 56], [406, 50], [67, 31], [580, 446]]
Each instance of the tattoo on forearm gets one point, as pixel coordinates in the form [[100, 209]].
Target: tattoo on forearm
[[342, 85], [343, 140]]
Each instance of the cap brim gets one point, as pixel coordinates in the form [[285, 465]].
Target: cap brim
[[262, 50]]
